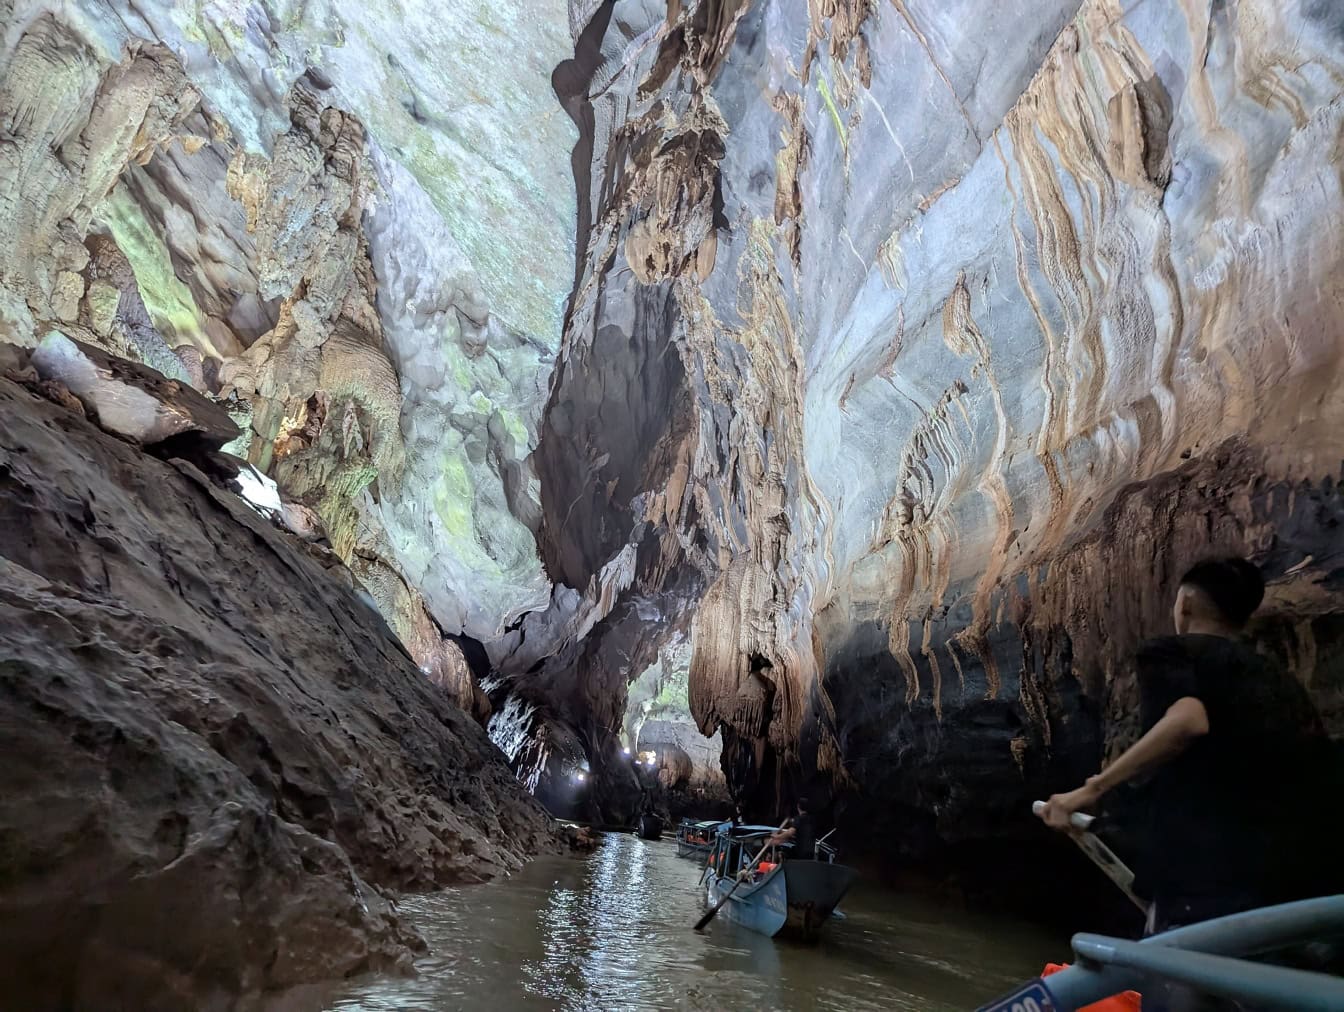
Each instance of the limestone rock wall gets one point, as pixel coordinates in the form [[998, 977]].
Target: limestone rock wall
[[658, 719], [976, 324], [299, 209], [219, 765], [224, 767], [899, 334], [701, 770]]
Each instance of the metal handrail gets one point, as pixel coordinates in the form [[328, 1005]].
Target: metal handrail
[[1267, 986], [1109, 966]]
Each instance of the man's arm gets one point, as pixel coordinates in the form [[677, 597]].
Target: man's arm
[[1185, 720]]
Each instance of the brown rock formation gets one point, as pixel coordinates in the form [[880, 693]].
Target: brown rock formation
[[130, 400], [216, 760]]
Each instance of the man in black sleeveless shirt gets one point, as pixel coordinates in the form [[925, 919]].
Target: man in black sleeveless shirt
[[801, 831], [805, 833], [1236, 753]]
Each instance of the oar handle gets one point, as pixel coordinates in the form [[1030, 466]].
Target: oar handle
[[1100, 854], [1078, 820]]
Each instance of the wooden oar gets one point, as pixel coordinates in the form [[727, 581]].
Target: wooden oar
[[741, 877], [1100, 854]]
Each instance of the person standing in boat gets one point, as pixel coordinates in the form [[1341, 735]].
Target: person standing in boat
[[1238, 758]]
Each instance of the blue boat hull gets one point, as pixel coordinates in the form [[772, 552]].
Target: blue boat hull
[[795, 899]]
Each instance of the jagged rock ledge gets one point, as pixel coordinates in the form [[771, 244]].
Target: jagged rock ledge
[[218, 763]]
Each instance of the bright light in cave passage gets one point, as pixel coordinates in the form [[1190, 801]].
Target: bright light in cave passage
[[259, 491]]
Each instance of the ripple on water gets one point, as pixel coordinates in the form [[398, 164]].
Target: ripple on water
[[613, 931]]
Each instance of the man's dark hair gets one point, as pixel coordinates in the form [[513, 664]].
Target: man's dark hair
[[1234, 585]]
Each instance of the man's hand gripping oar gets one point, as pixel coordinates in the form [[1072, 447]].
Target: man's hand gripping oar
[[1101, 855]]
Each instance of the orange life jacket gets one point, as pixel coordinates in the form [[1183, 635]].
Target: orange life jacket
[[1129, 1001]]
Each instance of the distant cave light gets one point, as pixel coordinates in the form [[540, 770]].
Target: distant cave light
[[259, 491]]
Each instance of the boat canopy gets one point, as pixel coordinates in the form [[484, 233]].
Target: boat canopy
[[728, 828]]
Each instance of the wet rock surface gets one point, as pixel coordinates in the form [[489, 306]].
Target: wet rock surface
[[935, 789], [217, 762]]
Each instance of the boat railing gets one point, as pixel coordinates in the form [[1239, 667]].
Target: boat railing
[[824, 851], [1210, 957]]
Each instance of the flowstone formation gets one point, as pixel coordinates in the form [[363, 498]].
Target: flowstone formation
[[352, 228], [915, 349]]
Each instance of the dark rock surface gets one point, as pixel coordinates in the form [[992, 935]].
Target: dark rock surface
[[216, 762], [929, 757]]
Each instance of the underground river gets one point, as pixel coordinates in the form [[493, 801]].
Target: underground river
[[612, 930]]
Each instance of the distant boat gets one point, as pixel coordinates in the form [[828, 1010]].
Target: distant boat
[[785, 896], [649, 827], [696, 839]]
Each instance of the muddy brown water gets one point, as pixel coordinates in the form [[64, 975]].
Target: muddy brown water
[[612, 930]]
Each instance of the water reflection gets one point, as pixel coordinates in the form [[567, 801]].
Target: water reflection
[[613, 931], [591, 936]]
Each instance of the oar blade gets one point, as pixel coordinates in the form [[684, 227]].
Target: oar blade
[[709, 916], [714, 910]]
